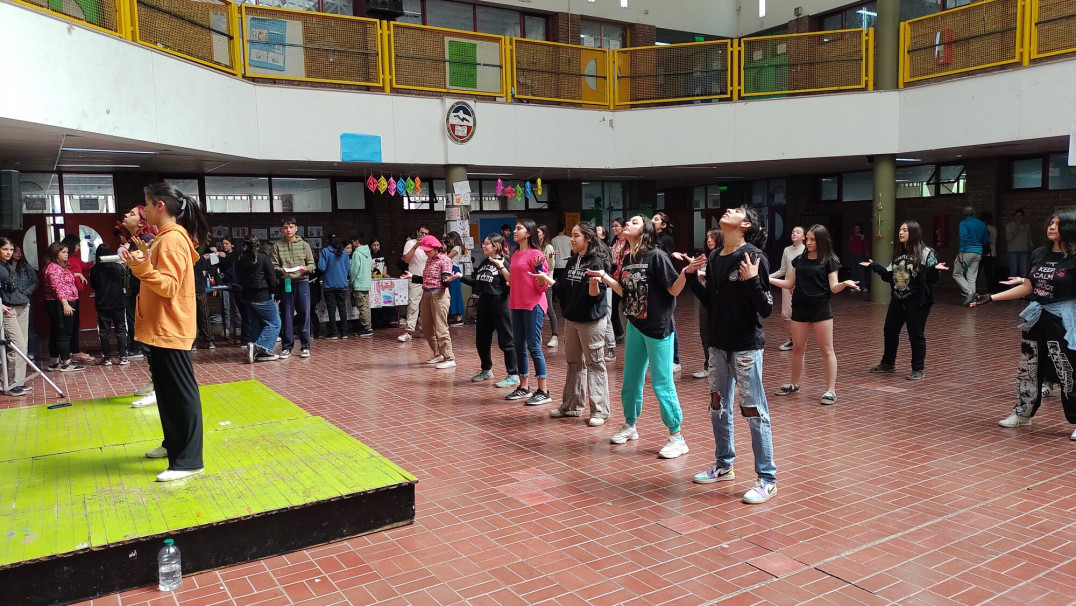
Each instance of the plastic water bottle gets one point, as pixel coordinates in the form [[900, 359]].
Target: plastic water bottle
[[169, 570]]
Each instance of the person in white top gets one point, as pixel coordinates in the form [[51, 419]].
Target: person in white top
[[415, 258], [791, 252]]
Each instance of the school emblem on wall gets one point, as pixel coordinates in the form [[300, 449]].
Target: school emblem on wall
[[460, 122]]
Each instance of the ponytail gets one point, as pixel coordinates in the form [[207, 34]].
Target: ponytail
[[188, 213]]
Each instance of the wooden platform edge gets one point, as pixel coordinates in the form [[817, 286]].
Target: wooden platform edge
[[93, 573]]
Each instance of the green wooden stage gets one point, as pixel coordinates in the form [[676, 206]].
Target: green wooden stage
[[82, 514]]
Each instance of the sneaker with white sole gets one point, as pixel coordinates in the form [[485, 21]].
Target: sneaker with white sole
[[1073, 436], [539, 397], [435, 360], [701, 374], [1014, 420], [674, 447], [829, 398], [556, 413], [264, 355], [786, 390], [146, 400], [599, 421], [445, 364], [509, 381], [1046, 388], [124, 362], [518, 394], [553, 342], [485, 375], [761, 492], [304, 352], [144, 391], [104, 362], [677, 368], [176, 474], [157, 453], [285, 354], [786, 346], [404, 338], [610, 356], [625, 433], [716, 473]]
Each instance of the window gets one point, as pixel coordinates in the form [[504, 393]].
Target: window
[[500, 21], [412, 12], [915, 181], [189, 187], [40, 192], [338, 7], [1062, 176], [827, 189], [534, 27], [603, 195], [1026, 174], [237, 194], [351, 195], [952, 179], [599, 34], [301, 195], [453, 15], [767, 192], [698, 197], [857, 187], [88, 194]]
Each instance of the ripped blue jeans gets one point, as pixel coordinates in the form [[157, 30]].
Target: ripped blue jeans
[[736, 379]]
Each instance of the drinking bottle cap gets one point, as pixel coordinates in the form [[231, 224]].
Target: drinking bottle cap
[[169, 542]]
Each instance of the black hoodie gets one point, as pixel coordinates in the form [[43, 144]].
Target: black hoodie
[[107, 282], [573, 290], [736, 307]]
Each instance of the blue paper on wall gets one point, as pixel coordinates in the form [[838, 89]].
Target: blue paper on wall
[[357, 147]]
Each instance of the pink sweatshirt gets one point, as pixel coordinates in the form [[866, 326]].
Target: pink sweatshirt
[[524, 291]]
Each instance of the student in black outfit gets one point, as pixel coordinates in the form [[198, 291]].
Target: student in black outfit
[[813, 280], [111, 303], [666, 243], [201, 276], [1049, 322], [491, 313], [912, 275], [257, 280]]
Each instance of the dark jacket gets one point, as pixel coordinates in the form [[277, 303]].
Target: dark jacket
[[736, 307], [9, 286], [107, 282], [257, 279], [573, 290], [905, 284]]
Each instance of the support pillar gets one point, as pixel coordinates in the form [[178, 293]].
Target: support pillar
[[455, 173], [887, 34]]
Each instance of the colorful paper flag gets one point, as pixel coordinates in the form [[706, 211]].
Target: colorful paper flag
[[371, 184], [392, 186], [500, 187], [527, 188], [382, 184], [509, 191], [519, 192], [418, 185], [410, 185], [401, 186], [539, 190]]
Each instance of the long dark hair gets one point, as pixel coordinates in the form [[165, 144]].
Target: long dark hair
[[251, 248], [337, 244], [668, 229], [21, 263], [1066, 228], [452, 240], [914, 248], [718, 237], [185, 209], [103, 250], [596, 247], [53, 253], [756, 234], [647, 239], [532, 233], [497, 240], [543, 236], [823, 243]]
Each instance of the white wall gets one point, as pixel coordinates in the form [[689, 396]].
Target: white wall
[[714, 17], [81, 80]]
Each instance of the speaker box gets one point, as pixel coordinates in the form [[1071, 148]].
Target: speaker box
[[10, 201], [385, 9]]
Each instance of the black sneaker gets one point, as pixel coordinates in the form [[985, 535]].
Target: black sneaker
[[539, 397], [265, 356], [884, 368], [284, 354], [366, 334], [17, 391], [52, 367], [518, 394], [71, 367]]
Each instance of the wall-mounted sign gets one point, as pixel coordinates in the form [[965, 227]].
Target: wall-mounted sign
[[460, 122]]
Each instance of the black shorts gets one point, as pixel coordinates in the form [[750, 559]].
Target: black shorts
[[815, 313]]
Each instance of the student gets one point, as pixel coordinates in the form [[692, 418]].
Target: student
[[234, 314], [134, 225], [415, 259], [1018, 244], [585, 307], [257, 280], [79, 269], [790, 253], [111, 303], [16, 314], [649, 285], [457, 252], [1048, 345], [714, 240], [974, 238], [912, 274], [813, 280], [362, 272], [26, 282], [551, 252], [436, 277], [617, 249], [666, 243], [165, 322], [737, 296], [60, 291], [334, 266], [293, 253], [528, 279], [201, 284], [491, 312]]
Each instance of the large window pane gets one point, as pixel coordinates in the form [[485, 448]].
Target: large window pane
[[775, 192], [915, 181], [237, 194], [952, 179], [40, 192], [614, 194], [590, 33], [351, 195], [88, 194], [412, 12], [759, 192], [499, 21], [713, 196], [1062, 176], [832, 22], [593, 195], [302, 196], [827, 189], [534, 28], [1027, 174], [698, 197], [453, 15], [339, 7], [188, 187], [858, 186]]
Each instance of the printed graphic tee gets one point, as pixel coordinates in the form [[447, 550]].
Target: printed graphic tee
[[1052, 275], [647, 302]]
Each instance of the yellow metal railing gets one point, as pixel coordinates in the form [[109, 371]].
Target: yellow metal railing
[[806, 63], [1053, 28], [111, 16], [969, 38], [445, 60], [303, 46], [672, 73], [203, 31], [549, 71]]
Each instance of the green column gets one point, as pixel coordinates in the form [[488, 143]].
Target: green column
[[886, 77]]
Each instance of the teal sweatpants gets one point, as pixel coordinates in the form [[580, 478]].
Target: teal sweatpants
[[639, 352]]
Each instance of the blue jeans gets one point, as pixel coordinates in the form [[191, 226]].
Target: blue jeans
[[737, 375], [296, 303], [265, 323], [527, 337], [640, 352]]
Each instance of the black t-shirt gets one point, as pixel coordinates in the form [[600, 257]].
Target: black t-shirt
[[1052, 276], [666, 243], [647, 302], [812, 281], [573, 290], [487, 279], [735, 306]]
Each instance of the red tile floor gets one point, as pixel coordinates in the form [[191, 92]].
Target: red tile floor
[[902, 492]]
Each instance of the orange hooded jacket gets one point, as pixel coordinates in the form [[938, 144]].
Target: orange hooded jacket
[[166, 314]]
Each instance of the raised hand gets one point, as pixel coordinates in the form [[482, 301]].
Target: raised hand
[[749, 269], [866, 263], [695, 264], [596, 273], [1013, 281], [851, 284], [941, 267]]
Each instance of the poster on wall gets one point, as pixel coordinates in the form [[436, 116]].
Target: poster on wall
[[261, 234], [276, 47], [240, 232], [315, 243], [399, 290], [452, 213], [222, 54], [222, 231], [472, 65], [314, 231], [276, 232]]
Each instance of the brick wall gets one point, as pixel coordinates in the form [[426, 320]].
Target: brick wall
[[564, 28], [641, 34]]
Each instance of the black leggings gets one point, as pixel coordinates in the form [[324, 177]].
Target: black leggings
[[492, 315], [618, 326], [180, 406], [913, 313], [60, 327], [112, 319]]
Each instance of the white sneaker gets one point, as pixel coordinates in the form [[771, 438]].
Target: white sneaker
[[627, 432], [436, 360], [677, 368], [786, 346], [176, 474], [674, 447], [404, 337], [149, 400], [761, 492], [143, 391], [1073, 436], [157, 453], [446, 364], [701, 374], [553, 342], [598, 422], [1014, 420]]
